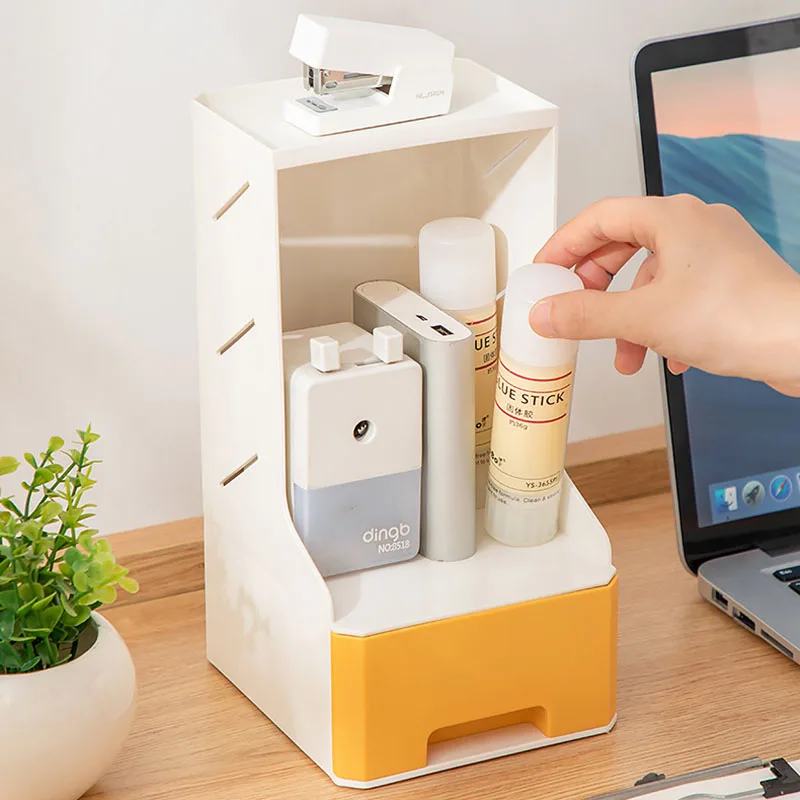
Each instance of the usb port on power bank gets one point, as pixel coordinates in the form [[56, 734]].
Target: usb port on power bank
[[440, 329]]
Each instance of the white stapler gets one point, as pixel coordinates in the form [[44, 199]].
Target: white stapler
[[364, 74]]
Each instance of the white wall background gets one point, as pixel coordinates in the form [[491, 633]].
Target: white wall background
[[96, 241]]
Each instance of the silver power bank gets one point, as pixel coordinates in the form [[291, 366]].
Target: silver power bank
[[444, 348]]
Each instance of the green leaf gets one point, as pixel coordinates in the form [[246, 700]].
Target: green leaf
[[104, 595], [42, 623], [31, 530], [66, 570], [7, 620], [100, 545], [70, 517], [69, 609], [39, 605], [8, 503], [86, 542], [128, 585], [87, 437], [73, 557], [9, 599], [41, 476], [51, 616], [55, 443], [8, 464], [9, 657], [49, 511], [29, 666], [81, 581], [26, 608], [47, 651], [31, 459], [82, 614]]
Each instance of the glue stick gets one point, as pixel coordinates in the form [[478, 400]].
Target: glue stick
[[457, 274], [532, 404]]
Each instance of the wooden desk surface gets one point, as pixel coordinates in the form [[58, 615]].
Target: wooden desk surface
[[695, 690]]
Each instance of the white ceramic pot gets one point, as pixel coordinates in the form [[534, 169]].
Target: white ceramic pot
[[63, 726]]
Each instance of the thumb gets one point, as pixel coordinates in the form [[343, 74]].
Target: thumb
[[585, 314]]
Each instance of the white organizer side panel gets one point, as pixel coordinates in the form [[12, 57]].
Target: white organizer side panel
[[268, 610]]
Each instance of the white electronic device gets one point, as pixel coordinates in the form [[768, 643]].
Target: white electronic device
[[444, 347], [364, 74], [354, 423]]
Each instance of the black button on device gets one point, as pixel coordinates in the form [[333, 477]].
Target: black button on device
[[788, 574], [795, 586]]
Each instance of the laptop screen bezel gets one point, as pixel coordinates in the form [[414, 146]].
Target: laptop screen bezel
[[699, 544]]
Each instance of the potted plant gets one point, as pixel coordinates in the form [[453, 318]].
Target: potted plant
[[67, 683]]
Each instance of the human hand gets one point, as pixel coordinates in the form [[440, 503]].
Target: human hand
[[712, 294]]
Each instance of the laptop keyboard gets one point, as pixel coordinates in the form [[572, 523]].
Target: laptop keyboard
[[790, 575]]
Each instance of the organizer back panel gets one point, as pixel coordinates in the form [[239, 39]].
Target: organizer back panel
[[354, 219]]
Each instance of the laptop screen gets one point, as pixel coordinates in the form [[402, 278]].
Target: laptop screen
[[729, 132]]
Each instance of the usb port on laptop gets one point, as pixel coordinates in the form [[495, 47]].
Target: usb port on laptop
[[740, 616], [719, 598]]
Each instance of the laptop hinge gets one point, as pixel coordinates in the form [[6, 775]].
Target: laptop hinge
[[780, 545]]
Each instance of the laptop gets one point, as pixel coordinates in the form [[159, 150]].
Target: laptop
[[719, 118]]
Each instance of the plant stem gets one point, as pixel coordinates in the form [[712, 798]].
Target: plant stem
[[28, 500], [50, 491], [51, 560]]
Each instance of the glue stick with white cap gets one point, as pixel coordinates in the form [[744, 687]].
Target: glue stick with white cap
[[457, 274], [532, 405]]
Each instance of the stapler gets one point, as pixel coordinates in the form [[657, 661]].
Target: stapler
[[365, 74]]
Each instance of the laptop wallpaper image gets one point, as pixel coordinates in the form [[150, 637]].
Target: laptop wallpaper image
[[729, 132]]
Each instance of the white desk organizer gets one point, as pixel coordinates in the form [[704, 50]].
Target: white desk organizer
[[421, 666]]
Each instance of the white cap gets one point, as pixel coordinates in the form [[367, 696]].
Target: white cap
[[528, 285], [387, 344], [325, 354], [456, 263]]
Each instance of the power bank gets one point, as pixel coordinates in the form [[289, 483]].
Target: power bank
[[354, 423], [444, 348]]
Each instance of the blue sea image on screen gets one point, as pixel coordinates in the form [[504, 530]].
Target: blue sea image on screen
[[737, 427]]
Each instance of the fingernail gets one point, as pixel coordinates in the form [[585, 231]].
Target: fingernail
[[540, 318]]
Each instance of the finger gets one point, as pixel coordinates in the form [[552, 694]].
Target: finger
[[624, 220], [598, 268], [591, 315], [791, 388], [676, 367], [630, 357]]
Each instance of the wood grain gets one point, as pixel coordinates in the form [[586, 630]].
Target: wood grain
[[166, 559], [621, 466], [695, 690]]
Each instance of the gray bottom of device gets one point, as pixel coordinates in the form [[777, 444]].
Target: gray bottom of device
[[361, 524], [761, 592]]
